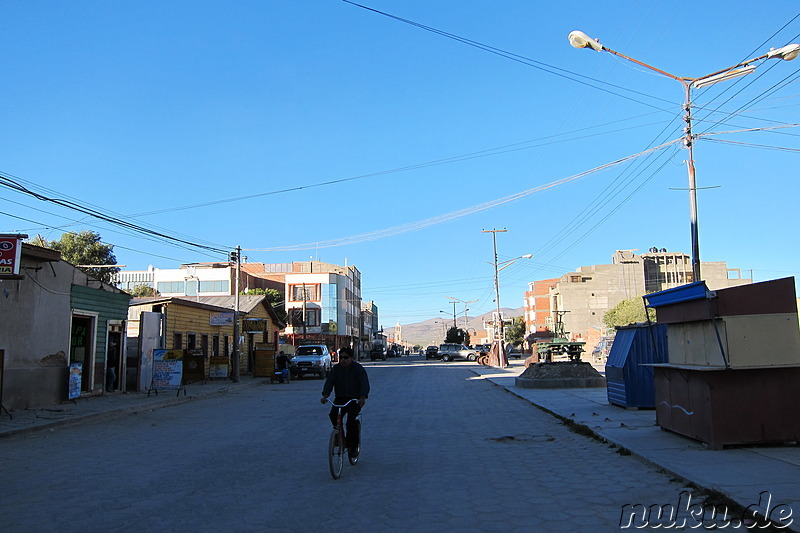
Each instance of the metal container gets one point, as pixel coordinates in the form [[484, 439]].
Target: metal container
[[629, 374]]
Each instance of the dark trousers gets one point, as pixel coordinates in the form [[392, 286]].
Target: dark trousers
[[351, 427]]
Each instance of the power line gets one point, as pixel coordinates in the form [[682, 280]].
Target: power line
[[15, 185], [550, 69]]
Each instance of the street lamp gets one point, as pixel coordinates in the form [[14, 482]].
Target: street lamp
[[498, 333], [578, 39], [465, 308]]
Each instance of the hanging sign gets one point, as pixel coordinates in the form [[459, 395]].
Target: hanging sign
[[10, 254]]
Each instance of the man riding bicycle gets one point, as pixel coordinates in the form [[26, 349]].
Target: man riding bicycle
[[349, 381]]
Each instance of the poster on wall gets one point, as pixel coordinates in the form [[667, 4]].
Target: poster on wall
[[167, 371], [74, 387]]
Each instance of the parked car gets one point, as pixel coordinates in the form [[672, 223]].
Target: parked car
[[310, 359], [377, 352], [603, 348], [515, 351], [450, 351], [482, 349], [432, 352]]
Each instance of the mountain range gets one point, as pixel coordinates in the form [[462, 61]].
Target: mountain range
[[433, 330]]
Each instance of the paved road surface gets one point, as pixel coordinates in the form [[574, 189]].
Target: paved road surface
[[444, 450]]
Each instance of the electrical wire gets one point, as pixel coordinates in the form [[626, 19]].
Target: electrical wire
[[550, 69], [447, 217], [752, 145], [15, 185]]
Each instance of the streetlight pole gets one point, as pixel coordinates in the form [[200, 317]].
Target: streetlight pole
[[578, 39], [465, 309], [497, 329], [499, 333]]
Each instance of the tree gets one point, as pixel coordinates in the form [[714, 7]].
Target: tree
[[143, 291], [84, 248], [627, 312], [274, 297], [456, 335], [515, 333]]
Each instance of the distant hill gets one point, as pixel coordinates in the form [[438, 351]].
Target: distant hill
[[432, 331]]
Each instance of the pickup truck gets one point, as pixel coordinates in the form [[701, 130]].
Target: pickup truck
[[310, 359]]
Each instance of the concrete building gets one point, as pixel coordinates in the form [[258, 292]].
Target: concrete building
[[370, 329], [61, 332], [323, 301], [195, 279], [580, 299]]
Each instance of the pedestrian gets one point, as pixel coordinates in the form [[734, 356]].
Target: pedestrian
[[349, 381], [282, 366], [111, 368]]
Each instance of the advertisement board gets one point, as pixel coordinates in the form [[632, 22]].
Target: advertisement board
[[10, 254], [74, 386], [167, 369]]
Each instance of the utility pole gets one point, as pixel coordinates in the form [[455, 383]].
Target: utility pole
[[235, 358], [304, 311], [498, 332]]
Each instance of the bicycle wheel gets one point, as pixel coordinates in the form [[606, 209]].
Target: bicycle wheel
[[354, 460], [335, 454]]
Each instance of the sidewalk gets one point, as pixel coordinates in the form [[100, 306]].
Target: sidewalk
[[741, 474], [112, 404]]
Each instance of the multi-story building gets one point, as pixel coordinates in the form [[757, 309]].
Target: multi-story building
[[194, 279], [580, 299], [323, 301], [369, 326]]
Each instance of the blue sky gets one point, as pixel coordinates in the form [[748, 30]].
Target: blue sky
[[352, 136]]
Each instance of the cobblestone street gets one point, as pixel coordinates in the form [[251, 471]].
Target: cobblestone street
[[444, 450]]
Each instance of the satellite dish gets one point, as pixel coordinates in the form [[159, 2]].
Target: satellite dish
[[653, 249], [663, 249]]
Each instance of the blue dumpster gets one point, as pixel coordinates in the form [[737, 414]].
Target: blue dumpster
[[629, 376]]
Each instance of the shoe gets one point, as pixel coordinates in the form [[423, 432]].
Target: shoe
[[353, 453]]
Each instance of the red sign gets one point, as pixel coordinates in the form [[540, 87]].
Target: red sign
[[10, 251]]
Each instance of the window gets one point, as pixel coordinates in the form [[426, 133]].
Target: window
[[191, 341], [177, 341], [574, 279], [191, 287], [309, 293], [296, 317], [215, 345], [170, 287], [215, 286]]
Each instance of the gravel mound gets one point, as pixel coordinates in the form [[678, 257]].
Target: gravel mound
[[560, 370]]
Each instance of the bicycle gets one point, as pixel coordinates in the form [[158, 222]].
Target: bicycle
[[337, 445]]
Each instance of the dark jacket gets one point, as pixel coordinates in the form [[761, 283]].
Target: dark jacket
[[350, 382]]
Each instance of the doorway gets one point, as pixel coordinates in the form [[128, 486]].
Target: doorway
[[114, 365], [80, 349]]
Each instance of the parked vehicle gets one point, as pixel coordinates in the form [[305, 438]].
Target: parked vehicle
[[450, 352], [311, 359], [515, 351], [482, 349], [432, 352], [603, 348], [377, 352]]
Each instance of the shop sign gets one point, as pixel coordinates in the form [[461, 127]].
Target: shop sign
[[10, 253], [221, 319]]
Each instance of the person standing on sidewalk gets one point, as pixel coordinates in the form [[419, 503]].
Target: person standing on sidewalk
[[348, 379]]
